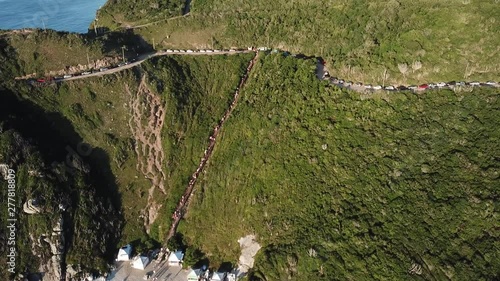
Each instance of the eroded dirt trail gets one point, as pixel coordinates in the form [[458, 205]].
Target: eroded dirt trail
[[185, 199], [146, 123]]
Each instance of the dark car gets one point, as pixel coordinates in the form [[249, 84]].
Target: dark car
[[402, 88]]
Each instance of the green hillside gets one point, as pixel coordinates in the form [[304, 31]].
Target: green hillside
[[47, 172], [371, 41], [193, 91], [369, 183]]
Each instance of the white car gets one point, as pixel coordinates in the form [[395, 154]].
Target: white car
[[189, 51], [389, 88], [491, 83], [202, 51], [176, 51], [475, 83], [182, 51], [441, 84], [67, 76], [368, 86], [377, 87], [86, 73], [169, 51], [210, 51], [232, 50], [216, 51]]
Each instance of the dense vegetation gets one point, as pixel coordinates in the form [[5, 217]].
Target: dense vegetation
[[38, 51], [49, 174], [371, 41], [195, 92], [347, 186]]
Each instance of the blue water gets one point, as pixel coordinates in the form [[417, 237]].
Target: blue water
[[63, 15]]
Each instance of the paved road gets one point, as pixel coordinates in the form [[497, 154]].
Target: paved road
[[140, 59]]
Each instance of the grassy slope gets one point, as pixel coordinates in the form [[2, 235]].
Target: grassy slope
[[39, 51], [196, 92], [402, 178], [360, 38], [29, 143]]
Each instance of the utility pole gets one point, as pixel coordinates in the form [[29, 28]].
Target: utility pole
[[154, 44], [88, 59], [43, 22], [95, 26]]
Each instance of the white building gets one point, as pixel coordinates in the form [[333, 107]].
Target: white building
[[125, 253], [194, 275], [175, 258], [218, 276], [140, 262]]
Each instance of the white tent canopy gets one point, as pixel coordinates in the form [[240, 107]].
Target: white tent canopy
[[124, 253], [140, 262], [175, 258], [217, 276], [194, 274]]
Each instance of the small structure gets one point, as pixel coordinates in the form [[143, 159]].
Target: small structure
[[124, 253], [218, 276], [140, 262], [194, 274], [175, 258]]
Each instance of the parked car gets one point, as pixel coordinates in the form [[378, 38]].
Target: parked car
[[216, 51], [86, 73], [169, 51], [189, 51], [341, 81], [358, 84], [423, 87], [58, 78], [41, 80], [412, 87], [202, 51], [368, 86], [210, 51], [67, 76], [402, 88], [348, 83], [441, 84], [103, 69], [491, 83], [475, 83], [377, 87], [182, 51], [389, 88]]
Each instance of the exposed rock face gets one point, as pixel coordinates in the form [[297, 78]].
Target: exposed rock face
[[30, 208], [146, 123], [52, 268], [249, 248]]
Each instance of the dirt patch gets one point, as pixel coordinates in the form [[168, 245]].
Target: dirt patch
[[146, 123], [249, 248]]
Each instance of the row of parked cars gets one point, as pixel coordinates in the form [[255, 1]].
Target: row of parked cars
[[66, 76], [198, 51], [440, 85]]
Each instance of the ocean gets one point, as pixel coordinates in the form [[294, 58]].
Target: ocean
[[61, 15]]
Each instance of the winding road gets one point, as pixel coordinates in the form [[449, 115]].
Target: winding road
[[320, 73]]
